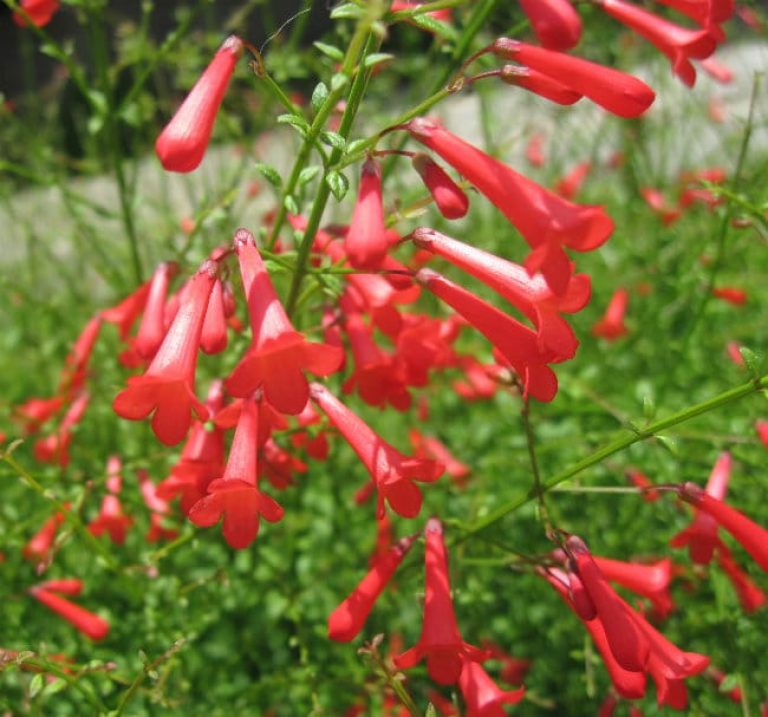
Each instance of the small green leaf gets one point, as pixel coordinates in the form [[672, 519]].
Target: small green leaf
[[649, 407], [298, 123], [377, 58], [730, 682], [752, 360], [270, 174], [56, 686], [431, 711], [347, 10], [338, 81], [37, 683], [669, 443], [338, 183], [319, 95], [330, 51], [290, 204], [354, 146], [434, 26], [308, 174], [332, 139]]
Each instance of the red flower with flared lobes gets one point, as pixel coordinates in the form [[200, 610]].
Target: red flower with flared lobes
[[516, 343], [750, 595], [556, 23], [90, 624], [611, 326], [648, 580], [753, 538], [183, 142], [378, 377], [536, 82], [40, 546], [348, 619], [628, 644], [392, 472], [547, 222], [55, 448], [678, 43], [440, 640], [529, 294], [615, 91], [167, 389], [235, 496], [40, 12], [366, 241], [423, 344], [482, 695], [201, 460], [450, 199], [278, 355], [111, 520], [431, 447], [701, 535]]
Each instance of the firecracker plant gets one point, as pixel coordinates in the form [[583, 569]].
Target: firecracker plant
[[418, 357]]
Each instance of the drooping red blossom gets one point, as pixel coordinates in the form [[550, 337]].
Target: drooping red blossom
[[536, 82], [235, 495], [730, 294], [642, 481], [556, 23], [529, 294], [40, 12], [366, 240], [657, 202], [547, 222], [278, 465], [440, 640], [111, 520], [570, 185], [392, 472], [214, 338], [424, 344], [611, 326], [37, 411], [481, 382], [615, 91], [678, 43], [348, 619], [182, 144], [749, 593], [90, 624], [153, 327], [278, 355], [701, 535], [167, 389], [482, 695], [124, 314], [431, 447], [75, 371], [717, 70], [40, 546], [628, 644], [752, 537], [517, 343], [648, 580], [450, 199], [55, 447]]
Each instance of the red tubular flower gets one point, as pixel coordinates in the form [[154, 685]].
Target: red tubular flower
[[481, 382], [112, 520], [124, 314], [278, 354], [717, 70], [530, 294], [152, 327], [55, 448], [75, 371], [64, 586], [547, 222], [556, 23], [182, 144], [431, 447], [482, 695], [366, 240], [650, 581], [423, 344], [628, 644], [90, 624], [640, 480], [37, 411], [40, 12], [750, 595], [440, 640], [534, 152], [570, 185], [608, 706], [752, 537], [536, 82], [167, 389], [449, 198], [678, 43], [40, 545], [701, 535], [348, 619], [611, 326], [730, 294], [513, 669], [615, 91], [279, 466], [213, 340], [517, 343], [707, 13], [392, 472], [656, 201], [236, 495]]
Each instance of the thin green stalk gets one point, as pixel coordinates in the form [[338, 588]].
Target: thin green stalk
[[530, 440], [619, 444]]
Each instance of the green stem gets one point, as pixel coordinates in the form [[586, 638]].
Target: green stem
[[530, 440], [618, 444]]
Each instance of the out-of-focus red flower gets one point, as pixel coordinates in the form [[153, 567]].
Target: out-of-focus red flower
[[152, 327], [440, 640], [40, 545], [182, 144], [90, 624], [55, 447], [40, 12], [348, 619], [111, 520], [570, 185], [534, 151], [761, 427], [730, 294], [37, 411], [640, 480], [124, 314], [717, 70], [611, 326], [482, 695], [733, 350], [75, 371], [749, 593], [658, 203], [556, 23]]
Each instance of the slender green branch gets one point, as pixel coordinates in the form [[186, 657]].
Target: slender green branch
[[530, 440], [617, 445]]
